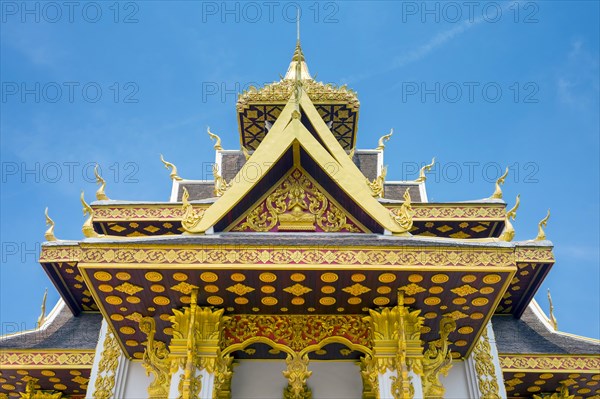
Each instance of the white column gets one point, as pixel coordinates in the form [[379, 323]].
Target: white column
[[107, 375]]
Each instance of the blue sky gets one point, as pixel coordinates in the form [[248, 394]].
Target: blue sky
[[498, 84]]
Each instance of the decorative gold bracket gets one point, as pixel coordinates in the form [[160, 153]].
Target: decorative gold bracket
[[297, 373], [49, 234], [509, 231], [498, 192], [100, 195], [376, 186], [437, 360], [403, 217], [221, 184], [155, 361], [172, 168], [425, 169], [191, 217]]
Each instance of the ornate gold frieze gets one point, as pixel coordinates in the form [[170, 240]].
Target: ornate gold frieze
[[565, 364], [155, 361], [297, 205], [37, 358], [280, 92], [437, 360], [484, 366], [297, 373], [107, 367], [296, 331], [409, 256]]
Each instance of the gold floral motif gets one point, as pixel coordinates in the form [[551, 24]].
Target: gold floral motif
[[297, 289], [484, 366], [128, 288], [437, 360], [183, 287], [240, 289], [464, 290], [107, 367], [299, 196], [412, 289]]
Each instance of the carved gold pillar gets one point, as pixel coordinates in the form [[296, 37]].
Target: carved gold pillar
[[156, 361], [396, 365], [199, 370]]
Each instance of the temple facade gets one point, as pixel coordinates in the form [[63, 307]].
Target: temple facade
[[299, 271]]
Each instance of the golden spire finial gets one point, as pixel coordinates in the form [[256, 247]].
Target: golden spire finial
[[216, 139], [88, 225], [172, 168], [298, 56], [383, 140], [100, 195], [498, 192], [42, 317], [541, 225], [49, 234], [552, 318], [509, 231], [424, 169]]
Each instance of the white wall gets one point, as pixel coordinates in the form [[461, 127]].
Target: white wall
[[456, 383], [253, 379], [136, 385]]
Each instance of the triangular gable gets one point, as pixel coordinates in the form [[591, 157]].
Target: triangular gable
[[289, 143], [297, 203]]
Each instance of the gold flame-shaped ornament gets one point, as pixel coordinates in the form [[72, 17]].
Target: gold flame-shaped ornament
[[49, 234], [215, 138], [190, 218], [100, 195], [383, 140], [404, 216], [541, 226], [498, 192], [172, 168], [88, 225], [509, 231], [425, 169], [42, 317]]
